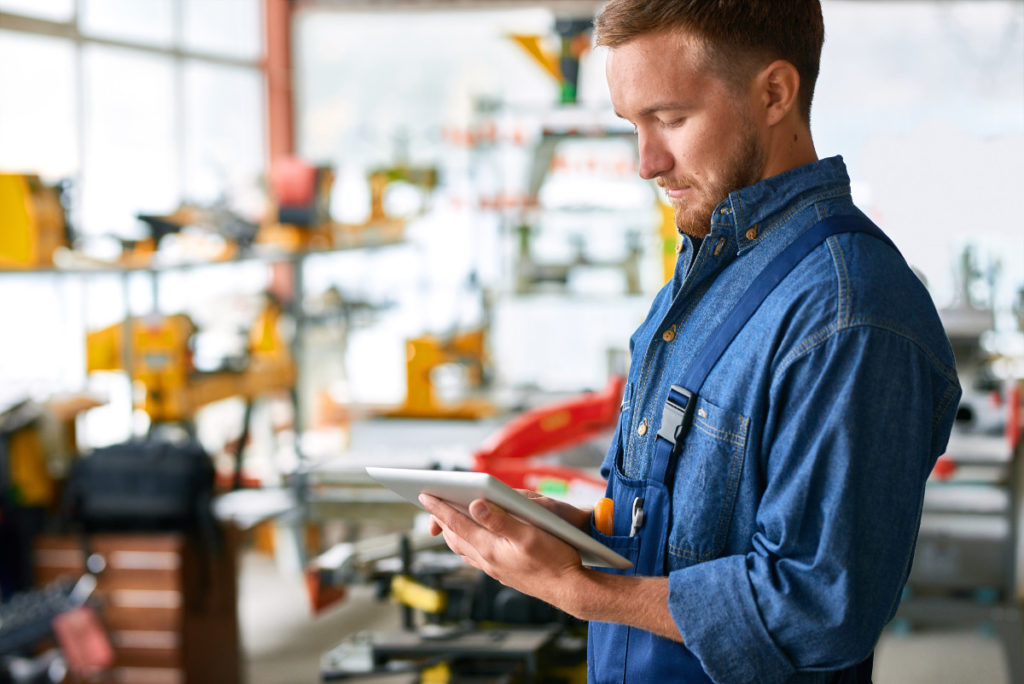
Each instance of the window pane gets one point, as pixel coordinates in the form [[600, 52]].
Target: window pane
[[131, 162], [144, 21], [45, 356], [57, 10], [37, 111], [367, 76], [224, 141], [227, 27]]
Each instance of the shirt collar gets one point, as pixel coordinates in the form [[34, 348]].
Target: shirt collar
[[753, 211]]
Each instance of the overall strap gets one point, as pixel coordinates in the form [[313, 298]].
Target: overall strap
[[678, 411]]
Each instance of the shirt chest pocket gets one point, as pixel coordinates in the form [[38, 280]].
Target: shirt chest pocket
[[707, 478]]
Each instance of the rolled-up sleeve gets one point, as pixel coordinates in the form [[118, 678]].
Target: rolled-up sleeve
[[854, 425]]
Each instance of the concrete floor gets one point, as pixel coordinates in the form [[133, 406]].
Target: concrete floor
[[283, 642]]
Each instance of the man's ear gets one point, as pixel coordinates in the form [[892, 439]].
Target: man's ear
[[778, 89]]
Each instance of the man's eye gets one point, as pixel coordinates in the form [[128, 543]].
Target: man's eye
[[674, 123]]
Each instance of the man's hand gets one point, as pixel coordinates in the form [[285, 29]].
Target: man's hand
[[517, 554], [534, 562]]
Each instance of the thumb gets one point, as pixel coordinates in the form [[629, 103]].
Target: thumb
[[490, 516]]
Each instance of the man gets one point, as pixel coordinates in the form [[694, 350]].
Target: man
[[772, 528]]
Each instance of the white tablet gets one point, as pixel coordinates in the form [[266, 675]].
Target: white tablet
[[459, 488]]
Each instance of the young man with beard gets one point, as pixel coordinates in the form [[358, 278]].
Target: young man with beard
[[789, 391]]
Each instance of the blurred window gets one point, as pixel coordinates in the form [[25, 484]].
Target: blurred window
[[131, 158], [150, 22], [54, 10], [38, 112], [224, 142], [232, 28]]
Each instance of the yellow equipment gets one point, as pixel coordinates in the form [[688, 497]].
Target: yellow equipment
[[423, 356], [32, 224], [407, 591], [668, 234], [160, 360], [423, 177]]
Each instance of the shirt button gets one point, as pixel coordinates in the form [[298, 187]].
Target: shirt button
[[752, 233], [668, 335], [642, 430]]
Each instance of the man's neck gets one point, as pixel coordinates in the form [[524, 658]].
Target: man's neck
[[789, 146]]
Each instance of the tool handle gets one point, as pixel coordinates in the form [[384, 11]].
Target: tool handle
[[604, 516]]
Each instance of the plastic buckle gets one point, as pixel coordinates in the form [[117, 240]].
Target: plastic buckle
[[676, 416]]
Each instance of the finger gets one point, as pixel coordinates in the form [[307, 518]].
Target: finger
[[461, 548], [443, 514], [495, 519], [463, 535]]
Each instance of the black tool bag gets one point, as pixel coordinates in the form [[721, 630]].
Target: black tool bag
[[143, 486]]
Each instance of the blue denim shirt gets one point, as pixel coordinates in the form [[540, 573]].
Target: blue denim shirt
[[797, 496]]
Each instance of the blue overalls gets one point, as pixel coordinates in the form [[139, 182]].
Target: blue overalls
[[643, 512]]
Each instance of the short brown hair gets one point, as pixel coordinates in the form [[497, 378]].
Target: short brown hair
[[739, 34]]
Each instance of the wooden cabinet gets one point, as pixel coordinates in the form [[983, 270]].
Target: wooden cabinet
[[168, 603]]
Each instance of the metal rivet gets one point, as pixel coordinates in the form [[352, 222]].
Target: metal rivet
[[642, 430], [718, 247], [726, 210], [679, 247], [752, 233], [702, 413]]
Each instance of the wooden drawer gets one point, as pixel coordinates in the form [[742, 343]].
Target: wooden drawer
[[120, 617], [169, 606]]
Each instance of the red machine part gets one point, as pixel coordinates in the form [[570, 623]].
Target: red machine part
[[1013, 424], [322, 595], [508, 453], [292, 182], [944, 468]]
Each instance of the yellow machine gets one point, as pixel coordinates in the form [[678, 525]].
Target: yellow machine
[[160, 359], [668, 234], [32, 224], [427, 353], [424, 178]]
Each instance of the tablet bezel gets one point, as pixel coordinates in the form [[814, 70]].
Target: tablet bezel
[[459, 488]]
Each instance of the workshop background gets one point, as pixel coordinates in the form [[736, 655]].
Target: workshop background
[[248, 247]]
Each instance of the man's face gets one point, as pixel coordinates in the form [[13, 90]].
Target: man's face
[[695, 135]]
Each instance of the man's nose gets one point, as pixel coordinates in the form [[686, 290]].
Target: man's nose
[[655, 158]]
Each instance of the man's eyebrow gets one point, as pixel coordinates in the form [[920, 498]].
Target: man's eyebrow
[[661, 107], [664, 107]]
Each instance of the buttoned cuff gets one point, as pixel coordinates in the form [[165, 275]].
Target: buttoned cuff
[[714, 608]]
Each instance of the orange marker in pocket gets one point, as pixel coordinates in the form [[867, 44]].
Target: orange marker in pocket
[[603, 516]]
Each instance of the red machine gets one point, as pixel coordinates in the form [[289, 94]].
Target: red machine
[[509, 454]]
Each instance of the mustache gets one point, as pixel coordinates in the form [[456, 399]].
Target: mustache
[[674, 184]]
